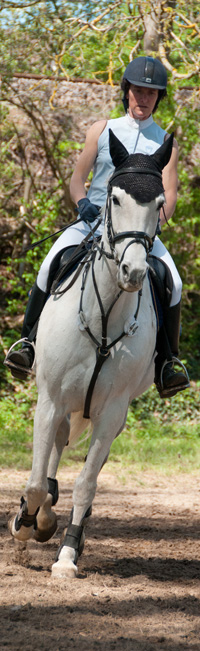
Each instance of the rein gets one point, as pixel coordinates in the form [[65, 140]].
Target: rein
[[48, 237], [64, 269]]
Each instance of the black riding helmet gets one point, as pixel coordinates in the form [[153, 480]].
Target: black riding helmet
[[145, 71]]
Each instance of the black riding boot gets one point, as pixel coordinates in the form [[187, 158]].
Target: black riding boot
[[168, 380], [21, 361]]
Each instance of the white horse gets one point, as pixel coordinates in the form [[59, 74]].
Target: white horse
[[101, 334]]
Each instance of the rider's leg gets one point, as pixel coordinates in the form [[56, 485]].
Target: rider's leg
[[71, 237], [24, 358], [168, 379]]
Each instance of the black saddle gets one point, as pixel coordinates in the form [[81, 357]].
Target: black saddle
[[65, 262], [161, 278]]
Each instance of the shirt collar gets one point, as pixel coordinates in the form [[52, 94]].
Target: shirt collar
[[139, 124]]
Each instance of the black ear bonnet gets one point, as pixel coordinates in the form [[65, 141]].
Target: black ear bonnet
[[144, 187]]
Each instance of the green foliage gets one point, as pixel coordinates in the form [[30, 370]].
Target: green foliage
[[95, 39], [16, 425], [158, 434], [162, 434], [45, 213]]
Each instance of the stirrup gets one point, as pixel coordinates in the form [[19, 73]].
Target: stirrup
[[169, 392], [19, 367]]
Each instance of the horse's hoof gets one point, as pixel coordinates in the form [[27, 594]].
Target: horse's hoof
[[60, 570], [41, 534], [65, 566], [23, 534]]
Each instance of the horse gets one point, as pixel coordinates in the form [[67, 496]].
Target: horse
[[95, 351]]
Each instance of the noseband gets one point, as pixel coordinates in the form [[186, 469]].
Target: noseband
[[138, 237]]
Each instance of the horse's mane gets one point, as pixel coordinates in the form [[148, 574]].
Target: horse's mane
[[143, 187]]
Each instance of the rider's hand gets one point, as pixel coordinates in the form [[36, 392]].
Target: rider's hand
[[88, 211]]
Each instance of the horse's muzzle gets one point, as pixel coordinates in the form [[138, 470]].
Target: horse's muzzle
[[129, 279]]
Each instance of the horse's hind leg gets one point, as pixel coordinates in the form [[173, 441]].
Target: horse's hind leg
[[46, 423], [46, 517]]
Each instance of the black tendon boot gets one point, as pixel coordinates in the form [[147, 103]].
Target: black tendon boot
[[21, 361], [168, 379]]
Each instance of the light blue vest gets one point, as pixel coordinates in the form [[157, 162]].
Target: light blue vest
[[139, 137]]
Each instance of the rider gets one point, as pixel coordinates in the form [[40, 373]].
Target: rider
[[144, 85]]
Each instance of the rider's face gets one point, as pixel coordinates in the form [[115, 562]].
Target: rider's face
[[141, 101]]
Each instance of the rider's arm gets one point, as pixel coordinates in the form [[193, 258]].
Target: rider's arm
[[170, 184], [86, 161]]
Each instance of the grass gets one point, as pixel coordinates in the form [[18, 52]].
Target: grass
[[164, 435]]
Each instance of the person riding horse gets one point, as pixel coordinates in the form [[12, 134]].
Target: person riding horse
[[144, 85]]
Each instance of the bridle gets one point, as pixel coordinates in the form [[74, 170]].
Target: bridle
[[139, 237]]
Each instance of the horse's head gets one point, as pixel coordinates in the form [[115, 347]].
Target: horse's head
[[135, 196]]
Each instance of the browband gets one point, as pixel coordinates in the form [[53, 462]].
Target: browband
[[134, 170]]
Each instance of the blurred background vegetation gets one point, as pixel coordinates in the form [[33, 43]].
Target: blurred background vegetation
[[61, 69]]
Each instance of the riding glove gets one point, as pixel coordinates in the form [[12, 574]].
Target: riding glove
[[88, 211]]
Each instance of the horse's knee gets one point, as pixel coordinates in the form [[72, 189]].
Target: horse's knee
[[36, 495]]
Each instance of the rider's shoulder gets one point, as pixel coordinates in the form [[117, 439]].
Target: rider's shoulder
[[96, 129]]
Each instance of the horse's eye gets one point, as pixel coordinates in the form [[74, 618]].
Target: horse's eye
[[116, 201]]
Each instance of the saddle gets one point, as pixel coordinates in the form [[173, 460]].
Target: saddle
[[65, 263], [161, 278]]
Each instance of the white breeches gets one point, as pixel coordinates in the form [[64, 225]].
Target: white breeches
[[74, 236], [161, 252]]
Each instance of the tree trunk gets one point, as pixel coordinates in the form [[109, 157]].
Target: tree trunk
[[157, 24]]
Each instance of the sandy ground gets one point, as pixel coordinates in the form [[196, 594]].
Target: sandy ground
[[138, 587]]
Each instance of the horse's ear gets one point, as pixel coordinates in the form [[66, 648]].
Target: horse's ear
[[118, 152], [163, 154]]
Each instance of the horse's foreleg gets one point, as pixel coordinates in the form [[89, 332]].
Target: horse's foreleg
[[46, 423], [46, 518], [84, 491]]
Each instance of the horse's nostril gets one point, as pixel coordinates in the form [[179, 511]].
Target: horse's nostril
[[125, 271]]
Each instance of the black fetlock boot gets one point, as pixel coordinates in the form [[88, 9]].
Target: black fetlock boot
[[168, 378], [20, 362]]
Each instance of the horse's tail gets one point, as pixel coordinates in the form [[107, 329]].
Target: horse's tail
[[78, 425]]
